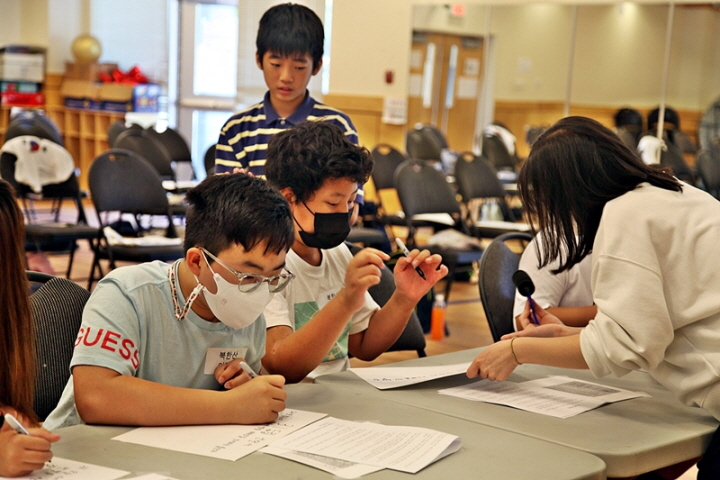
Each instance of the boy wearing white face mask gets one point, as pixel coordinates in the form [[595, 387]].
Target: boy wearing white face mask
[[327, 311], [161, 344]]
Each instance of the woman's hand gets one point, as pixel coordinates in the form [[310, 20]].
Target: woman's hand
[[496, 362]]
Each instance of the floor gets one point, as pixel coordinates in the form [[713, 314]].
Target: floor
[[465, 317]]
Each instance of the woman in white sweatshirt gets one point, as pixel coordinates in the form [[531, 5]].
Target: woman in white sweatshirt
[[655, 268]]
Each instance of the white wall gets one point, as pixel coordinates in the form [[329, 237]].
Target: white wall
[[370, 37], [618, 57]]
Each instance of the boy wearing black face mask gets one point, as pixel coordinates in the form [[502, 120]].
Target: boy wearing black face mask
[[327, 311]]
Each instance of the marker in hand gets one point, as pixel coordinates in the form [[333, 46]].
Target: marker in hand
[[247, 369], [526, 287], [15, 425], [406, 252]]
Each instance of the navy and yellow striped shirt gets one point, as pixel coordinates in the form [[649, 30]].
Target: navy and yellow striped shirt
[[244, 137]]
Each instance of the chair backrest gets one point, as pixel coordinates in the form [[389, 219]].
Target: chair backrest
[[69, 189], [57, 312], [148, 147], [423, 189], [387, 158], [477, 178], [494, 149], [708, 168], [412, 337], [425, 143], [497, 290], [122, 181], [209, 160], [174, 143], [116, 128], [33, 123]]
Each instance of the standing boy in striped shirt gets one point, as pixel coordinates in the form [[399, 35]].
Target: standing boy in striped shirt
[[289, 52]]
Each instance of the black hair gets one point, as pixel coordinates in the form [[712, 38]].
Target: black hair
[[573, 170], [289, 28], [628, 117], [671, 116], [237, 209], [304, 156]]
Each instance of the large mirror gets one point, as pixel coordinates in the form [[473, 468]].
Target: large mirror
[[530, 64]]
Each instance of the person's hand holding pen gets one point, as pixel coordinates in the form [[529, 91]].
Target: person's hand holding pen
[[234, 374], [417, 272], [23, 450], [251, 398]]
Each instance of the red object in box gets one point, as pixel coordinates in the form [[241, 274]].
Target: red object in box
[[21, 99]]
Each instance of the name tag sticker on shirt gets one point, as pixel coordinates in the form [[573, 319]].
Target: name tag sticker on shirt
[[326, 296], [219, 356]]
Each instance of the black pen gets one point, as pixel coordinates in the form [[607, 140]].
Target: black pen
[[406, 252]]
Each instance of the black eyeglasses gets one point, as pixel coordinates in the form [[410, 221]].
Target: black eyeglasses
[[249, 282]]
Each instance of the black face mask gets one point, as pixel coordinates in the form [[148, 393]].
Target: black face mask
[[331, 229]]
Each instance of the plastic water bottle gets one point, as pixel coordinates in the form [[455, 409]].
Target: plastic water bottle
[[437, 318]]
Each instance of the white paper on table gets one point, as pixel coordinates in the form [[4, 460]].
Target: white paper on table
[[228, 442], [64, 469], [392, 377], [335, 466], [556, 396], [407, 449]]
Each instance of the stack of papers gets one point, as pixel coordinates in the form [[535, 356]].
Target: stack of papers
[[228, 442], [344, 448], [370, 446], [557, 396]]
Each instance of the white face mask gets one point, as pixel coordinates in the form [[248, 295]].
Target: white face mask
[[232, 307]]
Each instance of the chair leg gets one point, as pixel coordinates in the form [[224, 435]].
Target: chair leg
[[70, 259]]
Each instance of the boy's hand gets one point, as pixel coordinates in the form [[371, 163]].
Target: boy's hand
[[231, 375], [259, 401], [409, 282], [21, 454], [364, 271]]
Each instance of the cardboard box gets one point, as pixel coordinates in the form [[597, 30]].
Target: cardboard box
[[80, 94], [118, 97], [88, 71], [21, 99], [22, 67]]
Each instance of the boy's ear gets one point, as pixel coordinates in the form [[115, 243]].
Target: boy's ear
[[193, 257], [317, 67], [289, 195], [258, 60]]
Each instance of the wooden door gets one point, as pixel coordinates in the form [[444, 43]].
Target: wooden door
[[445, 80]]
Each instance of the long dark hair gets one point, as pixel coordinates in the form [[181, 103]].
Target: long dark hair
[[17, 330], [573, 170]]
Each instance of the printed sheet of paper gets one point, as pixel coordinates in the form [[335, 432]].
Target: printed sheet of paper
[[556, 396], [393, 377], [64, 469], [407, 449], [228, 442], [335, 466]]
